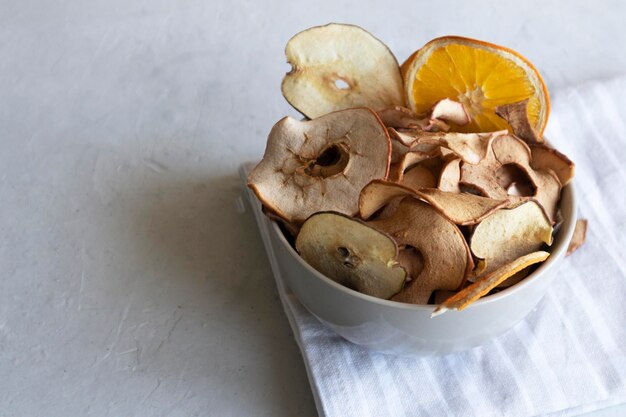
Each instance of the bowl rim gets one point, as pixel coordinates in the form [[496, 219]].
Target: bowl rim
[[558, 251]]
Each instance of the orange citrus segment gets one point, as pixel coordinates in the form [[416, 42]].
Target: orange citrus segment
[[480, 75]]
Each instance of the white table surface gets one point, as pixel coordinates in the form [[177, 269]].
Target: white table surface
[[131, 284]]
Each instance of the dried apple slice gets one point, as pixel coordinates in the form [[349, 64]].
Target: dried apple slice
[[450, 111], [408, 160], [462, 209], [494, 175], [579, 236], [516, 115], [469, 294], [440, 242], [321, 164], [411, 260], [399, 117], [544, 157], [336, 67], [470, 147], [418, 177], [508, 234], [351, 253], [450, 176], [378, 194]]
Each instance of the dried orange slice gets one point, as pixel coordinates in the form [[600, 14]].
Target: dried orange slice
[[478, 74]]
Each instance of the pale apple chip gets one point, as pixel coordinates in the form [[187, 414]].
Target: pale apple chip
[[579, 236], [469, 294], [446, 255], [377, 194], [508, 234], [337, 67], [462, 209], [351, 253], [544, 158], [516, 115]]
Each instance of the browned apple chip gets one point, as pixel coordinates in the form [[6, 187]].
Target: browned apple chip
[[462, 209], [321, 164], [508, 162], [544, 157], [441, 244], [516, 114], [470, 147]]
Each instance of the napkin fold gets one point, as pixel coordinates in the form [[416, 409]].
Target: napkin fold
[[566, 358]]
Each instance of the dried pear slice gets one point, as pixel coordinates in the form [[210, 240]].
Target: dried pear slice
[[351, 253]]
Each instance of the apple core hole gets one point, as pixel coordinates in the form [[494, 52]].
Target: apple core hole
[[331, 161]]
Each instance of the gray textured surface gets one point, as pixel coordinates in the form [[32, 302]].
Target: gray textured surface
[[130, 285]]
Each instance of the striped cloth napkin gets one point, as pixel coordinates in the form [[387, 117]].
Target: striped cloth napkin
[[569, 355]]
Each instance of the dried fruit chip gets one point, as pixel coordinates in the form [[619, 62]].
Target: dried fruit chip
[[578, 238], [470, 147], [445, 252], [411, 260], [495, 174], [462, 209], [508, 234], [351, 253], [399, 117], [544, 157], [450, 111], [450, 176], [336, 67], [377, 194], [516, 114], [481, 287], [418, 177], [321, 164]]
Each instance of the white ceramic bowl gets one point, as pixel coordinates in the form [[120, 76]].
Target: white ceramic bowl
[[407, 329]]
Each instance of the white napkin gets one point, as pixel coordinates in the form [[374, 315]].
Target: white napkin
[[566, 358]]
